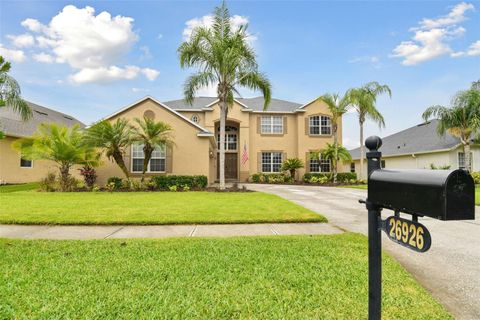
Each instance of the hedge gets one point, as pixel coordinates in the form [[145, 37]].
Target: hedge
[[192, 182], [343, 177], [270, 178], [476, 177]]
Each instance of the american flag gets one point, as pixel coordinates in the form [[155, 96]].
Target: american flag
[[244, 153]]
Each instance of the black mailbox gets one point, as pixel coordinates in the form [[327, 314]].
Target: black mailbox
[[439, 194]]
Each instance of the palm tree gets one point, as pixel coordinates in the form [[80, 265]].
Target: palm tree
[[151, 134], [113, 139], [63, 145], [10, 93], [337, 106], [225, 60], [335, 153], [461, 120], [291, 165], [364, 101]]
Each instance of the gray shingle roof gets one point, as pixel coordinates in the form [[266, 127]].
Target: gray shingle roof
[[256, 104], [420, 138], [12, 125]]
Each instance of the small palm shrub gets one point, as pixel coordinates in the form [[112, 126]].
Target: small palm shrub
[[291, 165], [49, 183], [114, 183]]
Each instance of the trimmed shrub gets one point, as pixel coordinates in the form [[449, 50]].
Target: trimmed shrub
[[270, 178], [342, 177], [312, 177], [184, 182], [114, 183], [476, 177], [49, 183], [346, 177]]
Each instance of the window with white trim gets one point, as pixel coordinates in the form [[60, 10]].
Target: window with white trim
[[230, 141], [195, 118], [156, 163], [320, 165], [271, 124], [461, 160], [24, 163], [320, 125], [271, 161]]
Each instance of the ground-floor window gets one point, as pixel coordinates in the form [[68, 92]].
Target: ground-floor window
[[383, 164], [156, 163], [352, 167], [271, 161], [24, 163], [461, 160], [320, 165]]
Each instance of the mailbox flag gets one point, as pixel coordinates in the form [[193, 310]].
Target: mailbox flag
[[244, 153]]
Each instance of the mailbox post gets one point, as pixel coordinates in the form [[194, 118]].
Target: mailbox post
[[440, 194], [374, 236]]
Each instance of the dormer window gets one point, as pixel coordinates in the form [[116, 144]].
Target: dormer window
[[195, 118]]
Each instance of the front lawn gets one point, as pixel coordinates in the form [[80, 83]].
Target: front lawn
[[149, 208], [19, 187], [318, 277]]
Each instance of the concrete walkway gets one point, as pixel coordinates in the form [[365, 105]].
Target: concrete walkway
[[166, 231], [450, 269]]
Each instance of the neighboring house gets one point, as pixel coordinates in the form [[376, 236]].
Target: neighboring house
[[256, 140], [419, 147], [14, 169]]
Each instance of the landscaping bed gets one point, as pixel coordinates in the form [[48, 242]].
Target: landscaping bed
[[113, 208], [317, 277]]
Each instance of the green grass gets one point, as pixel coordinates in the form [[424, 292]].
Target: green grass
[[19, 187], [301, 277], [477, 195], [149, 208]]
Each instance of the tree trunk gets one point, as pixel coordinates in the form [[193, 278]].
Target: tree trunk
[[147, 154], [362, 148], [468, 159], [334, 163], [64, 176], [223, 114], [117, 156]]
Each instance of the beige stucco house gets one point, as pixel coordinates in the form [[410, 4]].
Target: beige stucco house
[[419, 147], [13, 168], [256, 140]]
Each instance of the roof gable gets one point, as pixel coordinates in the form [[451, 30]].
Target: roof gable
[[203, 131]]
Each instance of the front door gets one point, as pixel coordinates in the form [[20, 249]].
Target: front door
[[231, 166]]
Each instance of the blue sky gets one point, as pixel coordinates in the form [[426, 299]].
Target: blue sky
[[72, 57]]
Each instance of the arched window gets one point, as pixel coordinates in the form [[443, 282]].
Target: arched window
[[149, 114], [195, 118]]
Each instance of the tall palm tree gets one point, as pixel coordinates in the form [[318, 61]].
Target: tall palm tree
[[151, 134], [337, 106], [461, 120], [225, 60], [335, 153], [113, 139], [364, 101], [63, 145], [10, 93]]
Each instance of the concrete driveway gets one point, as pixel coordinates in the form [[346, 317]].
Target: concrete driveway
[[450, 270]]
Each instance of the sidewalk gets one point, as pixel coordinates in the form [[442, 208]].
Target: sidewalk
[[165, 231]]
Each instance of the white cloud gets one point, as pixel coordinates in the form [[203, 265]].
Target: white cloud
[[431, 39], [105, 75], [374, 61], [94, 46], [474, 49], [207, 21], [146, 54], [12, 55], [455, 16], [22, 40], [150, 74], [139, 90], [43, 57]]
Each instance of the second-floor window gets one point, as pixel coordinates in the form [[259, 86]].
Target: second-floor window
[[156, 163], [272, 124], [320, 125], [230, 141]]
